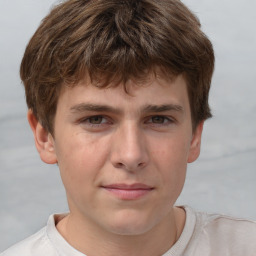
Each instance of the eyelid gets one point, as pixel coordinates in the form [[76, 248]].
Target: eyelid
[[83, 119], [168, 122], [169, 118], [85, 122]]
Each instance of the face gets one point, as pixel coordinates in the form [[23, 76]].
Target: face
[[123, 158]]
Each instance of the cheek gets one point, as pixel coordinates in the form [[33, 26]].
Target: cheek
[[170, 159], [80, 158], [171, 152]]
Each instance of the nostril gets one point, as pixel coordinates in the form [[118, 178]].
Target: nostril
[[119, 165], [128, 167], [140, 164]]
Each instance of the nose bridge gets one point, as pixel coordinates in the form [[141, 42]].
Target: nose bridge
[[129, 149]]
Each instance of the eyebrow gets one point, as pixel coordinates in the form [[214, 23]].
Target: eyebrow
[[83, 107], [163, 108], [79, 108]]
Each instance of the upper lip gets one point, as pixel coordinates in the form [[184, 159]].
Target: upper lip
[[128, 186]]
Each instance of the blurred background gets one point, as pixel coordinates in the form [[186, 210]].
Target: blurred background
[[222, 180]]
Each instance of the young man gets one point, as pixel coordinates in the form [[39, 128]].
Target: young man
[[117, 93]]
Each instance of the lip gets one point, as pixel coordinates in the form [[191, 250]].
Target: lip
[[128, 191]]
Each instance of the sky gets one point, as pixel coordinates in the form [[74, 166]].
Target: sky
[[222, 180]]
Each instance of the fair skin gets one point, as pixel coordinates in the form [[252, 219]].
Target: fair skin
[[123, 161]]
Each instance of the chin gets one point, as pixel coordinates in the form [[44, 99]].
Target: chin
[[131, 223]]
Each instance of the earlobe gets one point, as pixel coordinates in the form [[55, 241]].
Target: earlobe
[[43, 140], [195, 145]]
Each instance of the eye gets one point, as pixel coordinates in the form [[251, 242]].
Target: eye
[[160, 120], [95, 120]]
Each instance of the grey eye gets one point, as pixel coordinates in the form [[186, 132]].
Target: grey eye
[[158, 119], [95, 119]]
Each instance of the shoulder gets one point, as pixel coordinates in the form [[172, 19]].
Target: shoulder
[[218, 223], [37, 244], [216, 232], [25, 247]]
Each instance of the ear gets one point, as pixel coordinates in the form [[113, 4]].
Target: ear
[[195, 145], [43, 140]]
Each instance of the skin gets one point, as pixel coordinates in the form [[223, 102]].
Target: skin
[[106, 136]]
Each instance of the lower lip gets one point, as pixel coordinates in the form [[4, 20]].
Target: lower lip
[[128, 194]]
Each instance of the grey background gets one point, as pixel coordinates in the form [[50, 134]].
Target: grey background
[[222, 180]]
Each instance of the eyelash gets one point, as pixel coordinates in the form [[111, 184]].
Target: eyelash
[[148, 120], [166, 120], [87, 121]]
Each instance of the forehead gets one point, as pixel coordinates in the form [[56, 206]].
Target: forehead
[[134, 94], [152, 95], [130, 85]]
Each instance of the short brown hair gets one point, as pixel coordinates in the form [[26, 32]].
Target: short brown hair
[[114, 40]]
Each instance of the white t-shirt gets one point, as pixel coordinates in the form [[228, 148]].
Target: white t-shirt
[[203, 235]]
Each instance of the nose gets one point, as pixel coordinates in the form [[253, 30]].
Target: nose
[[129, 148]]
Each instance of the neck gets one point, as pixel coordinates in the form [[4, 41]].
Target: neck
[[91, 240]]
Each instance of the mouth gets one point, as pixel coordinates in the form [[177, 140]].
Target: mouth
[[128, 192]]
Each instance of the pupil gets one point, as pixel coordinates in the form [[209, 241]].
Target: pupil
[[158, 119], [96, 120]]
